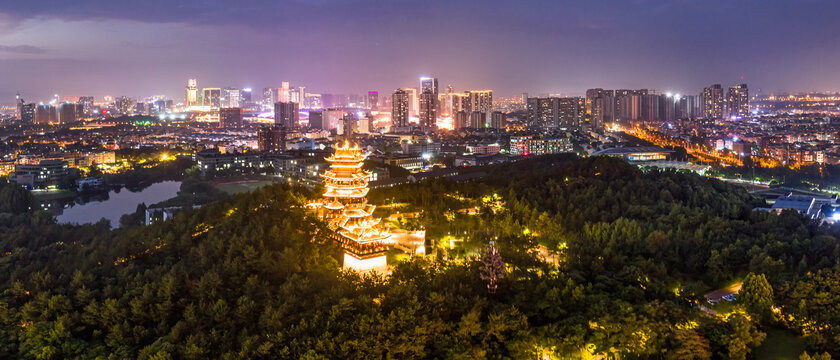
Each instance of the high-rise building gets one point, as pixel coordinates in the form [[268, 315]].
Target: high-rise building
[[628, 104], [413, 101], [66, 113], [738, 102], [478, 120], [480, 100], [18, 106], [286, 114], [458, 102], [460, 119], [600, 107], [212, 97], [428, 110], [87, 105], [124, 105], [498, 120], [27, 114], [269, 96], [231, 97], [429, 84], [399, 108], [316, 119], [284, 93], [332, 117], [231, 117], [271, 138], [554, 112], [245, 97], [712, 102], [42, 114], [373, 100], [192, 92]]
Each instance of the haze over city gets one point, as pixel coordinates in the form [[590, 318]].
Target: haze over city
[[143, 48]]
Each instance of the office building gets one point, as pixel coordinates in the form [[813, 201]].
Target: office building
[[231, 117], [191, 98], [738, 101], [271, 138], [212, 98], [18, 106], [400, 104], [286, 114], [712, 102], [245, 97], [429, 85]]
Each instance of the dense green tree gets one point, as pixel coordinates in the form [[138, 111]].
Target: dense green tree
[[757, 295]]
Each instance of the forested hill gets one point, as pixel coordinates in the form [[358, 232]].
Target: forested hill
[[253, 277]]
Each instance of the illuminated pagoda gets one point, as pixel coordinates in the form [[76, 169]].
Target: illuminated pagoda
[[349, 216]]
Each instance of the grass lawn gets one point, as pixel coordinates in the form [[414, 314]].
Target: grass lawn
[[395, 256], [53, 194], [780, 344], [234, 188]]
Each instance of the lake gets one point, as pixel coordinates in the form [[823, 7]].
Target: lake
[[118, 204]]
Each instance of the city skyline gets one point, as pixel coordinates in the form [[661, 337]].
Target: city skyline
[[135, 50]]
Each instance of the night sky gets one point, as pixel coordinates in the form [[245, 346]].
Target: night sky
[[142, 48]]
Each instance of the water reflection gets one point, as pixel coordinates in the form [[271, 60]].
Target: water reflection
[[111, 205]]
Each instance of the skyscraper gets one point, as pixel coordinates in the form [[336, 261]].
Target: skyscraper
[[428, 110], [192, 93], [498, 120], [286, 114], [231, 117], [712, 102], [212, 98], [429, 84], [738, 102], [18, 106], [399, 108], [413, 101]]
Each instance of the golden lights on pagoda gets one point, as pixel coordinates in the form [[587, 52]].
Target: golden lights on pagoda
[[344, 206]]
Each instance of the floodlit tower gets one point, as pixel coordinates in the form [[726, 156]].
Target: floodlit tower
[[192, 92], [345, 208]]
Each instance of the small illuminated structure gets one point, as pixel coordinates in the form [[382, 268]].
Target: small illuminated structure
[[347, 212]]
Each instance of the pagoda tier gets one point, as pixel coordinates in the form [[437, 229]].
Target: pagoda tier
[[345, 206]]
